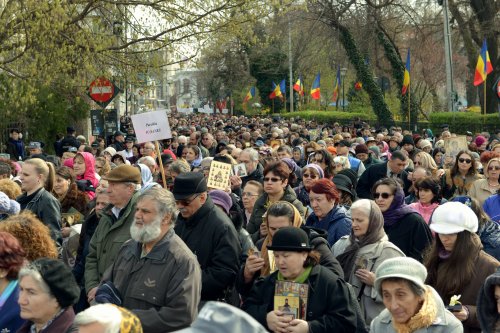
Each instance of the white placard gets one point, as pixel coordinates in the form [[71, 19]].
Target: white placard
[[151, 126]]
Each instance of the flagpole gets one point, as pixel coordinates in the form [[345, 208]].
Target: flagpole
[[409, 106], [484, 107], [273, 105]]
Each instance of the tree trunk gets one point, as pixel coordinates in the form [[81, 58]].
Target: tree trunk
[[398, 70], [377, 100]]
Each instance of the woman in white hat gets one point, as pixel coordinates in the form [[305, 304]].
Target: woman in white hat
[[456, 263], [411, 305]]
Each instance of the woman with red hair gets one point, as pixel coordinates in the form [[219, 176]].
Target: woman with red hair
[[11, 260], [327, 213]]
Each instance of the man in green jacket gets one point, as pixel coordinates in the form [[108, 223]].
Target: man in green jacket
[[114, 226]]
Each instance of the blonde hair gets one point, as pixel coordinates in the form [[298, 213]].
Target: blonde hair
[[45, 169], [427, 162], [485, 170]]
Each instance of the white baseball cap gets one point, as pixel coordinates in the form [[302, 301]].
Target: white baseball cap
[[452, 218]]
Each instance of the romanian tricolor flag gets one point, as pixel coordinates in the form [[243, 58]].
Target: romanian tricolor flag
[[315, 90], [299, 86], [283, 88], [250, 95], [406, 80], [276, 92], [335, 96], [483, 67]]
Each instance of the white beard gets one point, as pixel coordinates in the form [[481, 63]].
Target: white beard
[[148, 232]]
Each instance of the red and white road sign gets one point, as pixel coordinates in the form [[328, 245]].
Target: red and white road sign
[[101, 90]]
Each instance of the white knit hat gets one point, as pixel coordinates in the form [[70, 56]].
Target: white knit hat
[[452, 218], [401, 267], [8, 206]]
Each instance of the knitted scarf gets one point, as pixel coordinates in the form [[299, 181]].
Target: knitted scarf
[[423, 318], [398, 209]]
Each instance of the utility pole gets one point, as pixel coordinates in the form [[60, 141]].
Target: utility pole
[[450, 91], [290, 64]]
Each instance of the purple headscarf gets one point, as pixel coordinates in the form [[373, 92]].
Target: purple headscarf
[[398, 208]]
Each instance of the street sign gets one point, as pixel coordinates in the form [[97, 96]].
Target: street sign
[[101, 90]]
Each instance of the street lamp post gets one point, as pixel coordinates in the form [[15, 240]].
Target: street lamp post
[[343, 72]]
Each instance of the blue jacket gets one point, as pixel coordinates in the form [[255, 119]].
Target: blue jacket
[[337, 223], [489, 234], [10, 320], [492, 207]]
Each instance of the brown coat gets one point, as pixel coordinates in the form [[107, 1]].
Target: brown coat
[[485, 266]]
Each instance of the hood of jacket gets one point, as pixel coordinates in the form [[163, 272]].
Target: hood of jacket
[[487, 314], [89, 173]]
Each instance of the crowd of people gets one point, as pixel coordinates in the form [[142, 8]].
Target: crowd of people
[[371, 229]]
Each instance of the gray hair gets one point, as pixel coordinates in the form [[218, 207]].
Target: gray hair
[[252, 153], [137, 187], [179, 167], [31, 271], [164, 200], [147, 160], [363, 205], [107, 315]]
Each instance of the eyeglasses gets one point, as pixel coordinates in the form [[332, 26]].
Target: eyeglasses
[[465, 160], [271, 179], [490, 168], [307, 175], [384, 195], [249, 194], [187, 202]]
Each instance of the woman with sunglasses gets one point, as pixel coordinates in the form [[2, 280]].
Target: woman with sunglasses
[[456, 263], [277, 176], [459, 178], [310, 173], [482, 189], [402, 224], [361, 252]]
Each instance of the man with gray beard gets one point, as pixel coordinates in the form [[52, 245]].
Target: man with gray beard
[[155, 275]]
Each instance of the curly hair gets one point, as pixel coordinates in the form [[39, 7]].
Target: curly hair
[[10, 188], [11, 255], [33, 235], [106, 167]]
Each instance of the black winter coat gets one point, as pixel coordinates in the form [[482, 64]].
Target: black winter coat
[[318, 239], [411, 235], [213, 239], [330, 305]]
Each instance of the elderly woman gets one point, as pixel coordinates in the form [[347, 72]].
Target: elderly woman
[[7, 206], [362, 252], [327, 214], [482, 189], [251, 191], [402, 224], [36, 176], [411, 305], [329, 303], [11, 260], [47, 291], [488, 305], [33, 235], [459, 179], [280, 215], [107, 318], [310, 173], [276, 188], [456, 263]]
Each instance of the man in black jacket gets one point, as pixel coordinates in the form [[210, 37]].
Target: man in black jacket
[[210, 234], [394, 168], [69, 140]]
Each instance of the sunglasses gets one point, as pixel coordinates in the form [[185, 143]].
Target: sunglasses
[[307, 175], [271, 179], [465, 160], [384, 195], [493, 168], [186, 202], [417, 163], [249, 194], [319, 161]]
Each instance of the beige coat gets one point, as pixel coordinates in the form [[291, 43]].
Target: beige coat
[[370, 302], [481, 190]]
